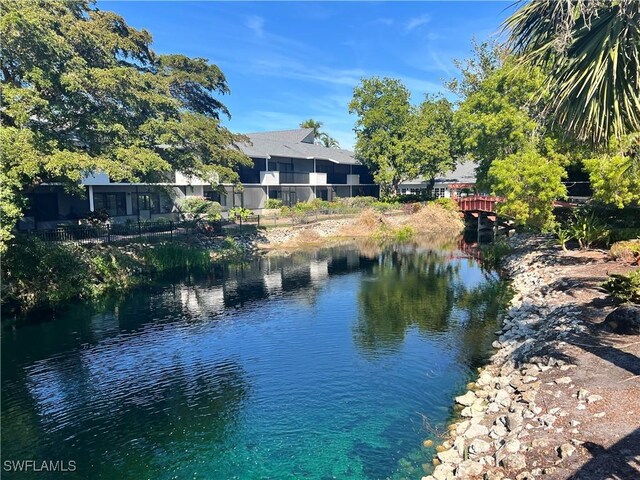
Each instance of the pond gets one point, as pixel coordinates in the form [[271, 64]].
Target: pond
[[335, 363]]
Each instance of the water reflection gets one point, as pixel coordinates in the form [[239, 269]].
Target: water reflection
[[312, 364]]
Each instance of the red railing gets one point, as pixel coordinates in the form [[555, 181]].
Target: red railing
[[478, 203]]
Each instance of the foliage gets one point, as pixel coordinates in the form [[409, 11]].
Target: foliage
[[98, 217], [397, 141], [624, 287], [320, 137], [621, 234], [529, 182], [587, 228], [38, 275], [564, 235], [82, 91], [240, 212], [493, 254], [404, 233], [273, 203], [197, 208], [498, 116], [615, 173], [626, 251], [357, 202], [447, 204], [590, 51], [172, 257]]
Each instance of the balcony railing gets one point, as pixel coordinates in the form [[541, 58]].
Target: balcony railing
[[294, 177]]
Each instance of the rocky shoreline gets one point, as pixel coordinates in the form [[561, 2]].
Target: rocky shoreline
[[533, 411]]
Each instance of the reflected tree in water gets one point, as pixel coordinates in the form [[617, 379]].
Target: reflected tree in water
[[405, 290]]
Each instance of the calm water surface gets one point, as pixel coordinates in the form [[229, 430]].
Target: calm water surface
[[336, 363]]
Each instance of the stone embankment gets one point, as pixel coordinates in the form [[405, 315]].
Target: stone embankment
[[559, 395]]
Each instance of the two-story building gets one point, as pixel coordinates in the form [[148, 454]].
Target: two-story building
[[287, 165]]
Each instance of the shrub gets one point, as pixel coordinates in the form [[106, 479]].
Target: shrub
[[37, 274], [588, 229], [194, 206], [172, 257], [273, 203], [405, 233], [564, 235], [240, 212], [624, 287], [627, 233], [98, 217], [357, 202], [447, 204], [628, 251]]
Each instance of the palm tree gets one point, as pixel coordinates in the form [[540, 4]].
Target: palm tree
[[590, 51], [316, 126], [321, 138]]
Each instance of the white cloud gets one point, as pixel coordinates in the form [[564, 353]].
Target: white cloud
[[416, 22], [256, 24]]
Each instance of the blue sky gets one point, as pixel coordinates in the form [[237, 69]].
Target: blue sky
[[289, 61]]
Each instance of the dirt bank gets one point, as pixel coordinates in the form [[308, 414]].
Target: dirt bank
[[429, 220], [560, 398]]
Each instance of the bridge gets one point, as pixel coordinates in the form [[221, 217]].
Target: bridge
[[478, 203]]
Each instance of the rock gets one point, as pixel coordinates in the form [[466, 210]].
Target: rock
[[624, 320], [593, 398], [540, 443], [427, 443], [547, 420], [476, 431], [513, 421], [599, 415], [443, 472], [494, 475], [563, 380], [467, 399], [582, 394], [449, 456], [575, 423], [529, 396], [581, 406], [565, 450], [525, 476], [502, 398], [512, 446], [498, 431], [479, 446], [468, 469], [514, 461], [458, 444]]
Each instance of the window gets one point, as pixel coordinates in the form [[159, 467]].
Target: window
[[114, 203], [216, 197], [439, 192]]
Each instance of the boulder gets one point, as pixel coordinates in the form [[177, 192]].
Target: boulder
[[467, 399], [566, 450], [476, 431], [478, 447], [624, 320], [449, 456], [469, 469], [514, 461]]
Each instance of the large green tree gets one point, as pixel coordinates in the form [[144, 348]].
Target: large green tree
[[83, 91], [396, 140]]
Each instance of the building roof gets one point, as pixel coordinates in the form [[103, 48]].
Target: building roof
[[464, 172], [294, 144]]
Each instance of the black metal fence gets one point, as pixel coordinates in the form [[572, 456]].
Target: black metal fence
[[144, 230]]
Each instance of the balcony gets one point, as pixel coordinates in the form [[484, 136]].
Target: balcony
[[270, 178], [353, 179], [318, 178], [294, 177]]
